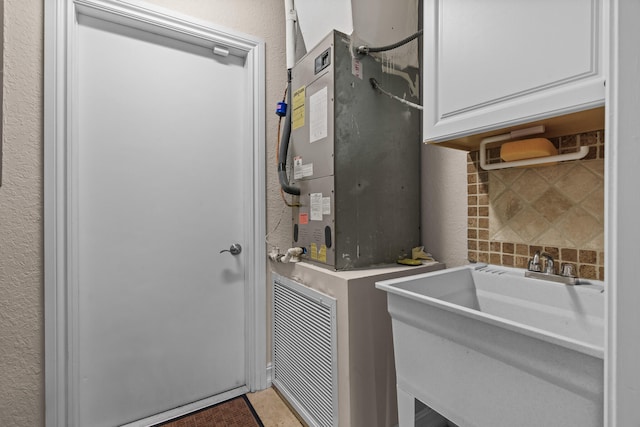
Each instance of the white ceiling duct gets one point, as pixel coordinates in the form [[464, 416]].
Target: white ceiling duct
[[317, 18]]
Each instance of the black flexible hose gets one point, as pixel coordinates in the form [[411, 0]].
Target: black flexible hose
[[363, 50], [284, 148]]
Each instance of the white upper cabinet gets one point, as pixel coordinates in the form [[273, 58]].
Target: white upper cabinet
[[494, 64]]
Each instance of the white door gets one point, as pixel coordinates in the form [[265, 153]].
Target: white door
[[160, 175]]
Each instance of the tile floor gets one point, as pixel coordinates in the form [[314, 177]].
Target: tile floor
[[272, 410]]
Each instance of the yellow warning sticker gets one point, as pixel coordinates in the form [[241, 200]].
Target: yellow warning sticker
[[297, 114], [314, 251], [322, 255]]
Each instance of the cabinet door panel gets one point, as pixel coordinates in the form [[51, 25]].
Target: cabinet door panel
[[497, 63]]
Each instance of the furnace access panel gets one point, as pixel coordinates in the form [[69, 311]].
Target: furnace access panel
[[355, 155]]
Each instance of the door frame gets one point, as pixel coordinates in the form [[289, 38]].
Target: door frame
[[622, 294], [60, 245]]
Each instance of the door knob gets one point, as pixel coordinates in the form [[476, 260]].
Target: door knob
[[234, 249]]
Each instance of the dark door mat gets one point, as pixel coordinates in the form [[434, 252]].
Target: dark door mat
[[236, 412]]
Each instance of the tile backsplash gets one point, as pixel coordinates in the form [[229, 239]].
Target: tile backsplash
[[558, 209]]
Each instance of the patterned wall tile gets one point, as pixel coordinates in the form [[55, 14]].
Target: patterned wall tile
[[559, 209], [552, 204], [571, 204], [579, 182]]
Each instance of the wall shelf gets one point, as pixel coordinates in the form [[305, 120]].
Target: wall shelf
[[535, 130]]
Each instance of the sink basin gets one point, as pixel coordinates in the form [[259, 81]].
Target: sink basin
[[484, 345]]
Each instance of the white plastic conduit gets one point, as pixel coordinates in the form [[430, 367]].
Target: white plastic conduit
[[290, 34]]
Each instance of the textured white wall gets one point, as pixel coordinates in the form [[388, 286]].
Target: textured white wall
[[21, 261], [444, 204], [383, 22]]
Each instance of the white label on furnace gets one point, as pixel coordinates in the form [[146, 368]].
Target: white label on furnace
[[326, 206], [316, 206], [307, 170], [318, 115], [298, 172]]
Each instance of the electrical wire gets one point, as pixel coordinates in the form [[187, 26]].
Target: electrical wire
[[266, 237], [376, 85], [365, 50]]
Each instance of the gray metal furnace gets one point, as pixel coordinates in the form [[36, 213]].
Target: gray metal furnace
[[355, 155]]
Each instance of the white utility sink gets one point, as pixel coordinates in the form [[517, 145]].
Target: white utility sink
[[486, 346]]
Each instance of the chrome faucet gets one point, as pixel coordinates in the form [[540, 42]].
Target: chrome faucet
[[535, 270], [534, 263], [549, 267]]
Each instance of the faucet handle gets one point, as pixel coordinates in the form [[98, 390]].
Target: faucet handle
[[534, 263], [567, 269], [550, 268]]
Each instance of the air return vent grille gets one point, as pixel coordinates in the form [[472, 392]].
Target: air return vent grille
[[304, 351]]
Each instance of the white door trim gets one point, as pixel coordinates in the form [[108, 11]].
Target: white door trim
[[60, 262]]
